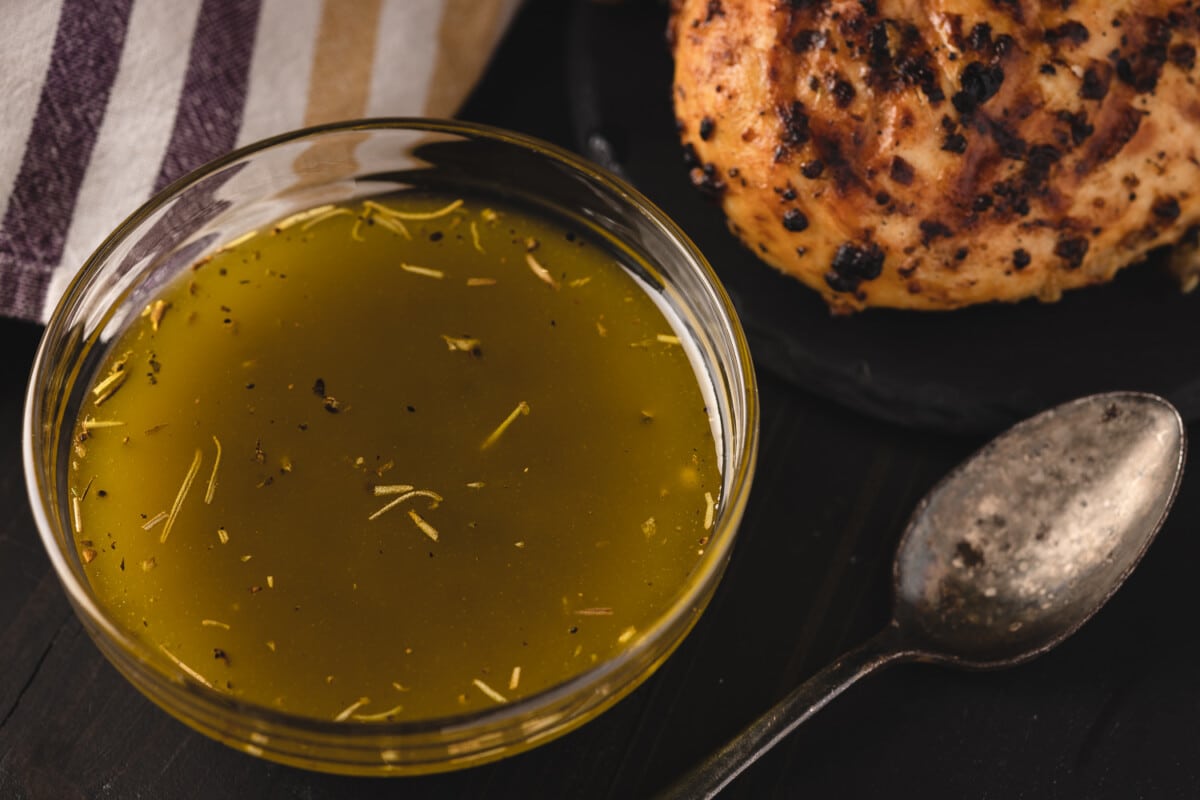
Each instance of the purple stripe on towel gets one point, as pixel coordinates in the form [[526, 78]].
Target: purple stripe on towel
[[83, 66], [214, 89]]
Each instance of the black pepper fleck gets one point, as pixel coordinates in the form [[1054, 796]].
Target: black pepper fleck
[[807, 40], [933, 229], [980, 37], [1071, 31], [901, 171], [1021, 258], [979, 82], [1095, 82], [843, 92], [1166, 209], [705, 179], [1080, 128], [955, 143], [795, 220], [852, 264], [795, 123], [1183, 56], [1072, 250]]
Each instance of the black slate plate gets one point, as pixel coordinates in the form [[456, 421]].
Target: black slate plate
[[970, 371]]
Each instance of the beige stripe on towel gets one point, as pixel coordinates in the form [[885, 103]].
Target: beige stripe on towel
[[467, 35], [341, 75]]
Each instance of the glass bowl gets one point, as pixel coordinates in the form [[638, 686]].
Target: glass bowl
[[271, 180]]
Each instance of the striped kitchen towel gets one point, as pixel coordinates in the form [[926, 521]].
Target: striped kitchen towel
[[107, 101]]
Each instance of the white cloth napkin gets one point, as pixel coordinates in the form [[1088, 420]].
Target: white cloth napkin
[[107, 101]]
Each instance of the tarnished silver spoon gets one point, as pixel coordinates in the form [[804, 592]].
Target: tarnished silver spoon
[[1007, 556]]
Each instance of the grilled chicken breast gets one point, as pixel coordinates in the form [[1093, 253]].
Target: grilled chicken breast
[[933, 154]]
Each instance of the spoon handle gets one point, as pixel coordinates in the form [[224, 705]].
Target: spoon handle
[[712, 775]]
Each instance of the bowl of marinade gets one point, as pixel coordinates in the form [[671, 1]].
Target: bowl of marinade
[[391, 447]]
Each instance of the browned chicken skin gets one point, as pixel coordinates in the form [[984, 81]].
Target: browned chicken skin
[[932, 154]]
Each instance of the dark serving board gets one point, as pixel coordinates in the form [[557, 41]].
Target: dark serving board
[[970, 371]]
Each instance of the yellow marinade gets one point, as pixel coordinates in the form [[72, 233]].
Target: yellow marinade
[[395, 460]]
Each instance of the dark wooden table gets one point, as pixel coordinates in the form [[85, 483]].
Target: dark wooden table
[[1112, 713]]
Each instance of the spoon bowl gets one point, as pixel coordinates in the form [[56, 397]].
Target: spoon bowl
[[1006, 556], [1016, 548]]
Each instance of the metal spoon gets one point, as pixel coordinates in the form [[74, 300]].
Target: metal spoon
[[1007, 556]]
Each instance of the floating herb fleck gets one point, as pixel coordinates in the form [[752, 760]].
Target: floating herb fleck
[[191, 672], [395, 226], [157, 518], [108, 387], [425, 527], [395, 488], [311, 216], [489, 691], [541, 272], [90, 424], [345, 713], [462, 344], [418, 215], [156, 310], [183, 490], [475, 237], [322, 213], [212, 479], [382, 716], [521, 410], [408, 495], [598, 611], [77, 513], [425, 271]]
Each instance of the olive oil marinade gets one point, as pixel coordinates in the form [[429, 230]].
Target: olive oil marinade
[[394, 460]]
